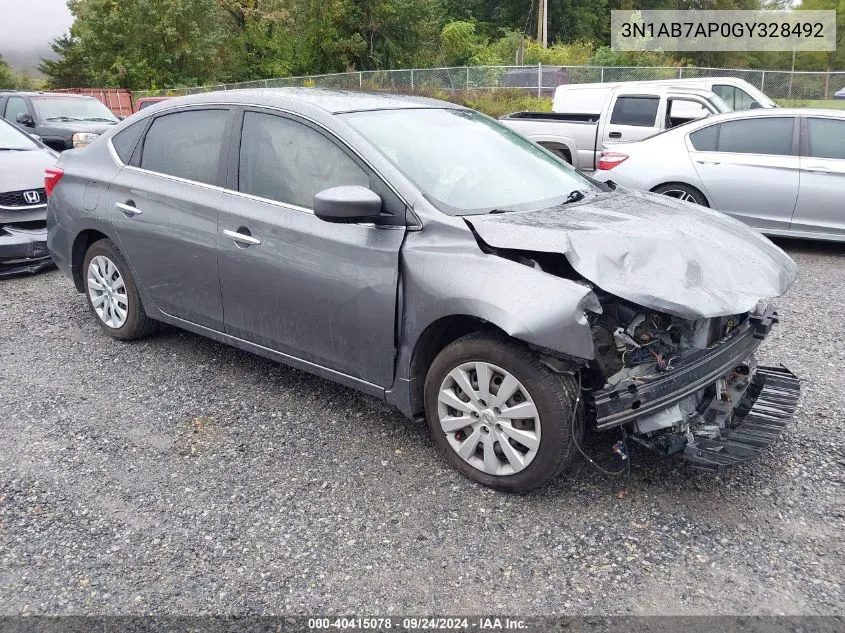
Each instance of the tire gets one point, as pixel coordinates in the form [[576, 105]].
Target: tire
[[682, 192], [118, 311], [517, 467]]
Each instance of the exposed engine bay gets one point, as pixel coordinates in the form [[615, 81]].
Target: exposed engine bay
[[634, 342], [639, 349]]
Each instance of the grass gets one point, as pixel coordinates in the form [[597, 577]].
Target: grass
[[836, 104]]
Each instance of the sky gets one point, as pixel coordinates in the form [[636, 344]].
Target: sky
[[26, 28]]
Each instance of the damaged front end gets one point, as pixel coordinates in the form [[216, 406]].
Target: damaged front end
[[689, 387], [23, 248]]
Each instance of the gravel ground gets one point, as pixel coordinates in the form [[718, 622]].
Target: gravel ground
[[178, 475]]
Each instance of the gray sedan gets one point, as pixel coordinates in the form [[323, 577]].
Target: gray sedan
[[782, 170], [426, 255]]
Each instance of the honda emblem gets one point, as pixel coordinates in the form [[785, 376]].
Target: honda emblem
[[31, 197]]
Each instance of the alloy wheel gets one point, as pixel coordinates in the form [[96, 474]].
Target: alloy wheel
[[679, 194], [107, 292]]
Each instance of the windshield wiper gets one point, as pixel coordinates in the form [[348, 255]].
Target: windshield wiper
[[99, 118], [62, 118], [574, 196], [13, 149]]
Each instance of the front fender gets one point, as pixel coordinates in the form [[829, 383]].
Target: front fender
[[455, 278]]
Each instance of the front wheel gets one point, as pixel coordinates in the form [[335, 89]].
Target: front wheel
[[500, 416]]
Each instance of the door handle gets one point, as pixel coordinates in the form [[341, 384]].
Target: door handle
[[818, 169], [242, 236], [708, 162], [615, 135], [129, 210]]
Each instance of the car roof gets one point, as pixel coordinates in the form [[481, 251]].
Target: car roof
[[327, 100], [45, 93], [774, 112]]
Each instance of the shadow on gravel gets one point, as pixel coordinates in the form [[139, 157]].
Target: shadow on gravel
[[811, 247]]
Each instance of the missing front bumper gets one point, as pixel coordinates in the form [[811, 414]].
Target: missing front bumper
[[766, 408], [23, 250]]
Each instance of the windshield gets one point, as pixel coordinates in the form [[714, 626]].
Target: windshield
[[11, 138], [467, 163], [55, 108]]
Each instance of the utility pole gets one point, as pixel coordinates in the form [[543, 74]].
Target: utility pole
[[543, 23]]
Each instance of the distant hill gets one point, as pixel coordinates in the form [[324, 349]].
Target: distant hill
[[26, 61]]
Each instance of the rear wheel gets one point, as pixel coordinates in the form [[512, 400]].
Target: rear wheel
[[500, 416], [682, 192], [112, 294]]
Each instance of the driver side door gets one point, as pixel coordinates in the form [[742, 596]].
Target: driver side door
[[321, 292]]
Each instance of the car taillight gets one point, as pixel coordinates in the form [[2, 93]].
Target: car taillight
[[609, 160], [52, 176]]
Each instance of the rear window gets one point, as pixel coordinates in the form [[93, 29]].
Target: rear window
[[641, 111], [186, 144]]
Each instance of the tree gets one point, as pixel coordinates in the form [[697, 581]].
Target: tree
[[147, 43], [11, 80], [70, 68]]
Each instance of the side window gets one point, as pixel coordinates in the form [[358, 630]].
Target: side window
[[826, 138], [186, 144], [640, 111], [705, 139], [767, 135], [288, 161], [124, 142], [683, 110], [727, 94], [14, 107]]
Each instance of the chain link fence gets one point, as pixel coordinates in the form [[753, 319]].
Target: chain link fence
[[540, 80]]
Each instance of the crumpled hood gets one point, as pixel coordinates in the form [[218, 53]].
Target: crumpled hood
[[658, 252], [21, 171]]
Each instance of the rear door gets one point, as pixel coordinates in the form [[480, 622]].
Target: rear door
[[163, 206], [632, 117], [318, 291], [749, 168], [821, 204]]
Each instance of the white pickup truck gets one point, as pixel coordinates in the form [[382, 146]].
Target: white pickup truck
[[589, 117]]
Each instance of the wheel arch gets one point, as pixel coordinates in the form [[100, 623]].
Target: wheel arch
[[433, 339], [81, 243]]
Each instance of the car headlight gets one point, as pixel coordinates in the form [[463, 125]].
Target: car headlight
[[81, 139]]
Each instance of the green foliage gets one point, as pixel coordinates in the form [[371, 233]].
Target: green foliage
[[154, 44], [11, 80], [70, 68]]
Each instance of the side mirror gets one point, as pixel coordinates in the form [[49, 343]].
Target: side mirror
[[24, 118], [755, 105], [347, 204]]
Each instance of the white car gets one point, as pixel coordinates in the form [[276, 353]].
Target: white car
[[780, 170]]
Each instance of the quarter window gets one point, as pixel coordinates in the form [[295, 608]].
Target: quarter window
[[287, 161], [186, 144], [765, 135], [706, 139], [14, 107], [641, 111], [124, 142], [826, 138]]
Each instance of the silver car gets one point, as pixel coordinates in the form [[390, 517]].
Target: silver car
[[426, 255], [782, 170]]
